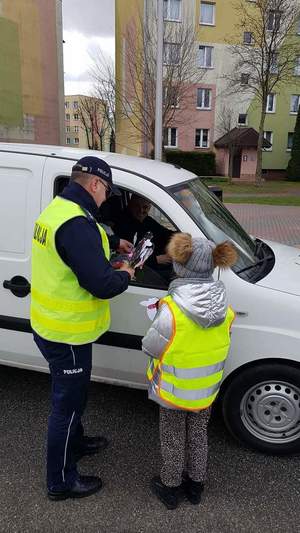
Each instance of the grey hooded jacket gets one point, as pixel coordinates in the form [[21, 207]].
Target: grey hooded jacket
[[204, 302]]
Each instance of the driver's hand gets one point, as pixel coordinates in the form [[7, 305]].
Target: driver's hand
[[164, 259], [125, 247], [126, 268]]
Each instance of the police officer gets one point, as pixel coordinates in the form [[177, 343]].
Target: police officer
[[72, 282]]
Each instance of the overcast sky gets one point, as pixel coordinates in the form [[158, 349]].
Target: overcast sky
[[88, 25]]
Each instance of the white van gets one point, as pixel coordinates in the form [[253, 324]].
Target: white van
[[261, 389]]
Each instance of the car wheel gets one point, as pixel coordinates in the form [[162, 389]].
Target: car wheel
[[261, 407]]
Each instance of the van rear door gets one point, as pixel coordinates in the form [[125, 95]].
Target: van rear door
[[20, 205]]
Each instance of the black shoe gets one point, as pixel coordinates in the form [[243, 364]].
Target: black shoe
[[83, 486], [90, 446], [169, 496], [193, 490]]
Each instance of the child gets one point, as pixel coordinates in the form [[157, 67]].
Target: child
[[188, 343]]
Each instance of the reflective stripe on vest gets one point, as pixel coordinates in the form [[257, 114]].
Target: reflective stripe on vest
[[61, 310], [189, 375]]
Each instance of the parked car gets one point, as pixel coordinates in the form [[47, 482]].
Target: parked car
[[261, 389]]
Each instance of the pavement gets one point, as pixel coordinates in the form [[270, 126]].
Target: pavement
[[246, 491], [276, 223]]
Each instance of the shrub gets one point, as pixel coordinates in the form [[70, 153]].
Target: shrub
[[200, 163]]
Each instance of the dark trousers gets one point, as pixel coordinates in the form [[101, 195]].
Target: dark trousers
[[70, 368]]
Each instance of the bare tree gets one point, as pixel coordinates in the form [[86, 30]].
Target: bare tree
[[268, 57], [92, 114], [102, 74], [180, 70], [225, 126], [135, 94]]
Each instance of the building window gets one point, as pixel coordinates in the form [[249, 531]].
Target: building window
[[67, 116], [204, 98], [205, 56], [273, 23], [295, 101], [76, 129], [248, 38], [170, 97], [242, 120], [297, 66], [271, 103], [290, 140], [76, 116], [274, 63], [75, 105], [76, 140], [67, 129], [68, 140], [172, 10], [207, 13], [171, 53], [170, 137], [202, 138], [268, 135], [245, 78], [66, 105]]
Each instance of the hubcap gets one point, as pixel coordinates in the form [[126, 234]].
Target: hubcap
[[271, 411]]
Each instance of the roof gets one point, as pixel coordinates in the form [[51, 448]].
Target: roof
[[164, 173], [241, 137]]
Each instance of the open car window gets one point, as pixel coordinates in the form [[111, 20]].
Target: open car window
[[116, 213], [152, 275]]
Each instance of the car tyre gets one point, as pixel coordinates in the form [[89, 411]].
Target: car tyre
[[261, 407]]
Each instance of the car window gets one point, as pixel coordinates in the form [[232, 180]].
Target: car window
[[113, 217], [136, 217], [59, 184]]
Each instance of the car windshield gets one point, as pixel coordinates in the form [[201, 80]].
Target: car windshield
[[215, 221]]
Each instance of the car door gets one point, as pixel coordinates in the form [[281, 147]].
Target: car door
[[20, 204], [121, 359]]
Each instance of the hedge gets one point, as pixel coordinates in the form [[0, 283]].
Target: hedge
[[293, 169], [200, 163]]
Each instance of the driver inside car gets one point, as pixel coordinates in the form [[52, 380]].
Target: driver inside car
[[134, 222]]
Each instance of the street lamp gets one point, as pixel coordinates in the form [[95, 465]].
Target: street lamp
[[159, 80]]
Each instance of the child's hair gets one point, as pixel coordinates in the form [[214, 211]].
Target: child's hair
[[180, 249]]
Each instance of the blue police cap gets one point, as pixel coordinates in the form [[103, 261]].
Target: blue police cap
[[97, 167]]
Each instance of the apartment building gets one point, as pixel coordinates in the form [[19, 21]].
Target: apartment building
[[31, 72], [85, 125], [208, 102]]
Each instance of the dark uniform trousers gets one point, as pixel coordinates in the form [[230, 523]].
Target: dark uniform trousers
[[70, 368]]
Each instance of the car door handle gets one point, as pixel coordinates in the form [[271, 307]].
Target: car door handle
[[18, 285], [241, 313]]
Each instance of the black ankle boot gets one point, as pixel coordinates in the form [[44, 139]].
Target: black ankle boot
[[169, 496], [193, 490]]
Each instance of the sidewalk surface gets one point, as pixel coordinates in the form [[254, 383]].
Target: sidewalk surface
[[276, 223]]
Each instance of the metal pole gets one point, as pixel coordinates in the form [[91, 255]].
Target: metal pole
[[159, 80]]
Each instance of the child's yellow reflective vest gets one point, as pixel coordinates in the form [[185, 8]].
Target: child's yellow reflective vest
[[188, 374]]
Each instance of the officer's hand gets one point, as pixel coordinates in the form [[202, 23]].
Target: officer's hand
[[126, 268], [125, 247]]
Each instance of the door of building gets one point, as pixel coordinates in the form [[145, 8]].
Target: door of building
[[237, 160]]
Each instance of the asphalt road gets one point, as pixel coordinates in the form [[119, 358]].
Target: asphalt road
[[245, 491]]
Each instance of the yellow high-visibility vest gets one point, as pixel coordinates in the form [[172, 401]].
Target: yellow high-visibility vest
[[188, 374], [61, 310]]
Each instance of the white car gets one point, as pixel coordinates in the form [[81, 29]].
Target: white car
[[261, 388]]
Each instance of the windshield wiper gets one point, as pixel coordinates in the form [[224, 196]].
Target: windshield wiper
[[260, 262]]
